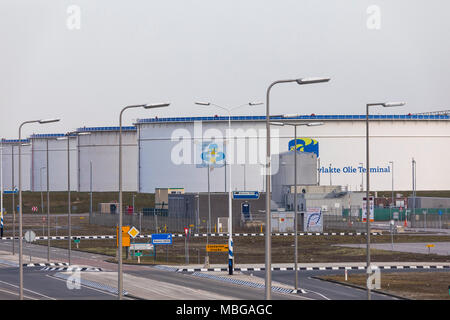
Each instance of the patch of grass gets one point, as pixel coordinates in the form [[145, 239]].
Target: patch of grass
[[412, 285], [252, 250], [80, 201]]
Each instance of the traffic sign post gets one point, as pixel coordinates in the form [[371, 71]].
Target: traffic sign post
[[217, 248], [364, 209], [76, 241], [30, 236], [186, 249]]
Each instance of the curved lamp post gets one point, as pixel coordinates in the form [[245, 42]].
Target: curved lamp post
[[295, 125], [230, 211], [386, 105], [119, 272], [268, 235], [20, 201]]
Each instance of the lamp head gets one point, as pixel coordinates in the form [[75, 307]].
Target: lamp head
[[44, 121], [393, 104], [157, 105], [201, 103], [312, 80]]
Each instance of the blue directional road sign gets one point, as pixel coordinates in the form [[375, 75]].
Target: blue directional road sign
[[161, 238], [245, 195], [10, 191]]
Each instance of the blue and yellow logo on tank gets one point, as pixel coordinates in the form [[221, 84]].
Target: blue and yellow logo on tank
[[305, 145]]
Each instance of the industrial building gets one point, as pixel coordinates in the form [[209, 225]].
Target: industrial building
[[171, 152], [10, 163], [100, 149], [339, 145], [52, 149]]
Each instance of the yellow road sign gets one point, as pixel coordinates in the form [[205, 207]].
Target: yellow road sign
[[133, 232], [125, 236], [430, 245], [217, 248]]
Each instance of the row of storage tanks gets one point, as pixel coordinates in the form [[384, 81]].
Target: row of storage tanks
[[148, 161]]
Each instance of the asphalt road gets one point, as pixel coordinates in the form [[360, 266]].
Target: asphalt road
[[41, 281], [325, 290], [41, 285]]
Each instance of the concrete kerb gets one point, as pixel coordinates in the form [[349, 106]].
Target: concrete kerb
[[393, 266]]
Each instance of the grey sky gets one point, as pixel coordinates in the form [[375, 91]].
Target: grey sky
[[228, 52]]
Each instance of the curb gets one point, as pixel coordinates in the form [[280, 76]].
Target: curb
[[242, 282], [181, 235], [89, 269], [387, 267], [54, 264]]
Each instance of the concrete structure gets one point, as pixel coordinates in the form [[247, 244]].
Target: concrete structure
[[11, 149], [193, 207], [283, 180], [101, 147], [162, 196], [429, 202], [339, 145], [57, 159]]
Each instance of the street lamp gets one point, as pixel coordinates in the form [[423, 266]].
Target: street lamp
[[120, 275], [1, 187], [295, 125], [230, 216], [13, 194], [385, 105], [20, 201], [362, 176], [268, 235], [69, 212], [393, 201]]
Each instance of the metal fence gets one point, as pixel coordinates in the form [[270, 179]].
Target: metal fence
[[150, 223], [429, 219]]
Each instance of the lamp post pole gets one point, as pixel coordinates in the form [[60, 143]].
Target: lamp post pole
[[48, 208], [362, 176], [120, 244], [268, 247], [368, 269], [1, 182], [294, 149], [20, 203], [13, 200], [393, 201], [69, 205], [230, 209]]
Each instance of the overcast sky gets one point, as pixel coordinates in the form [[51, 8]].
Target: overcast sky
[[227, 52]]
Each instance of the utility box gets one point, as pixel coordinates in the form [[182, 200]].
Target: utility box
[[282, 221], [222, 225]]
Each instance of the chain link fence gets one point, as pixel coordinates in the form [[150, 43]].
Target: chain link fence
[[152, 223], [431, 219]]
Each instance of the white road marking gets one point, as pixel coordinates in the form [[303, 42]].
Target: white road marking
[[37, 293], [16, 294], [95, 289]]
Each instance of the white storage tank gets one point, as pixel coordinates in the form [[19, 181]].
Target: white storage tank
[[101, 148], [10, 162], [53, 146]]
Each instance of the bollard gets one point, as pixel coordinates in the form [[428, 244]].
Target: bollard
[[345, 274]]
